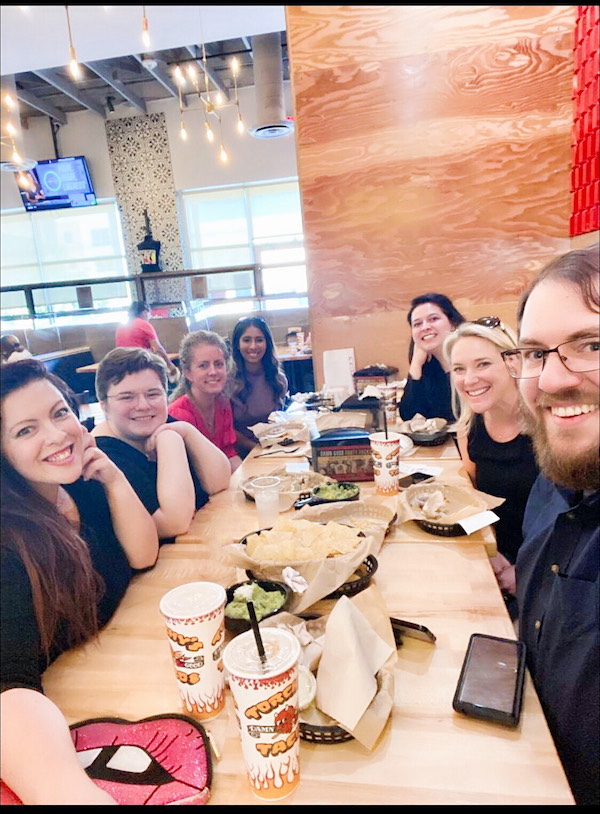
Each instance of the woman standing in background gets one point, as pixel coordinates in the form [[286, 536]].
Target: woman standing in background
[[260, 385], [431, 318], [200, 396]]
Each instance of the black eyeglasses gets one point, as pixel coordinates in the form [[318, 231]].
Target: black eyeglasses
[[577, 356]]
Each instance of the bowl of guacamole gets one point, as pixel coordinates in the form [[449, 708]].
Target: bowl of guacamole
[[329, 493], [268, 598]]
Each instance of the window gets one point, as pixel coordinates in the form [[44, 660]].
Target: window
[[59, 245], [250, 224]]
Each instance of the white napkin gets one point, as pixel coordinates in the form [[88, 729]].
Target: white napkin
[[349, 640], [371, 390]]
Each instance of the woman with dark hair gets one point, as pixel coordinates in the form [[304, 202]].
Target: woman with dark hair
[[260, 385], [72, 533], [431, 318], [201, 397]]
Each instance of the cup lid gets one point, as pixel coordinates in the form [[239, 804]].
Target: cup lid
[[192, 599]]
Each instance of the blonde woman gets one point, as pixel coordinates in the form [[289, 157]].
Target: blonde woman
[[201, 397], [497, 455]]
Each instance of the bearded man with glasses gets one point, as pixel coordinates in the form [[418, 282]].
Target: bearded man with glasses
[[556, 365]]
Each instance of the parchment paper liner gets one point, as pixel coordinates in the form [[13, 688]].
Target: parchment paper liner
[[323, 575], [364, 622], [296, 431], [462, 502], [340, 511]]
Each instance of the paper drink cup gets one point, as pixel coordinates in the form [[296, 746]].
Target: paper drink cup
[[194, 615], [386, 454], [266, 704], [389, 393]]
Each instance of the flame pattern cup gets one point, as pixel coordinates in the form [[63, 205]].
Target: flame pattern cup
[[385, 452], [194, 615], [266, 703]]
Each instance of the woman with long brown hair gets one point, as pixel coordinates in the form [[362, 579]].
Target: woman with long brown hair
[[73, 532]]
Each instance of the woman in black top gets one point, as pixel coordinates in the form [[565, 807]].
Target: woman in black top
[[72, 533], [431, 317], [497, 455]]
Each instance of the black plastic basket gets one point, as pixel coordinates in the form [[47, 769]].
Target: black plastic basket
[[365, 570], [323, 734], [441, 529], [425, 439]]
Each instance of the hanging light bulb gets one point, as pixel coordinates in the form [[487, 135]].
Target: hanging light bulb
[[15, 156], [241, 127], [9, 101], [179, 77], [235, 66], [223, 154], [192, 72], [219, 99], [182, 131], [74, 68], [145, 33], [10, 129]]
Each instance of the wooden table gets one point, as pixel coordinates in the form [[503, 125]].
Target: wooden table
[[427, 753]]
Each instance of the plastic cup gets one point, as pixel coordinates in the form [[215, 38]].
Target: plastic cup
[[266, 497], [194, 614], [266, 704], [385, 452]]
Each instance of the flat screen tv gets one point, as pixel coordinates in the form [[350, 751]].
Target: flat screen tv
[[58, 183]]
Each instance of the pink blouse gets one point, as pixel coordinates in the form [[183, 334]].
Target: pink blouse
[[184, 409]]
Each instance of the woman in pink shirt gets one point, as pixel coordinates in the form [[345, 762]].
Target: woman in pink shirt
[[200, 397]]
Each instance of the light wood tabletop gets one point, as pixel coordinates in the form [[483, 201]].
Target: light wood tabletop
[[427, 754]]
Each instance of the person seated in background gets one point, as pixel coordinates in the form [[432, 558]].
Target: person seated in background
[[260, 385], [498, 457], [200, 397], [12, 350], [558, 565], [431, 318], [139, 333], [170, 464], [73, 532]]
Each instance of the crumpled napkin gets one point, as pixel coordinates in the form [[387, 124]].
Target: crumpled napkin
[[269, 435], [354, 653], [350, 640], [371, 390], [418, 423]]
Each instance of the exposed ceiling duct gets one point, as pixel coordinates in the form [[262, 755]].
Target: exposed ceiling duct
[[268, 82]]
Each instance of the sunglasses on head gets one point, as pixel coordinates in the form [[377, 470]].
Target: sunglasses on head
[[493, 322]]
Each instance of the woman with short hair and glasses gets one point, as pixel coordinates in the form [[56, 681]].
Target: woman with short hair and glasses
[[260, 385], [431, 318], [170, 464], [498, 457]]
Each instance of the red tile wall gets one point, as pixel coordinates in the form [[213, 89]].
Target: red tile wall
[[585, 146]]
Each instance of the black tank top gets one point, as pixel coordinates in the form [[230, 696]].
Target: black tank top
[[505, 470]]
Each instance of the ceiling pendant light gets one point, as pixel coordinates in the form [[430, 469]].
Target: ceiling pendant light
[[12, 159], [146, 42], [74, 67]]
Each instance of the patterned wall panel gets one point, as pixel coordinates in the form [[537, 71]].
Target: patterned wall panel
[[140, 160], [433, 149], [585, 145]]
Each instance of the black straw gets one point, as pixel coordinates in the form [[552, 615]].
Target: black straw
[[256, 630], [384, 417]]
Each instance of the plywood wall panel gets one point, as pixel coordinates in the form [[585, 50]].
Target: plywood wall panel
[[433, 154]]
